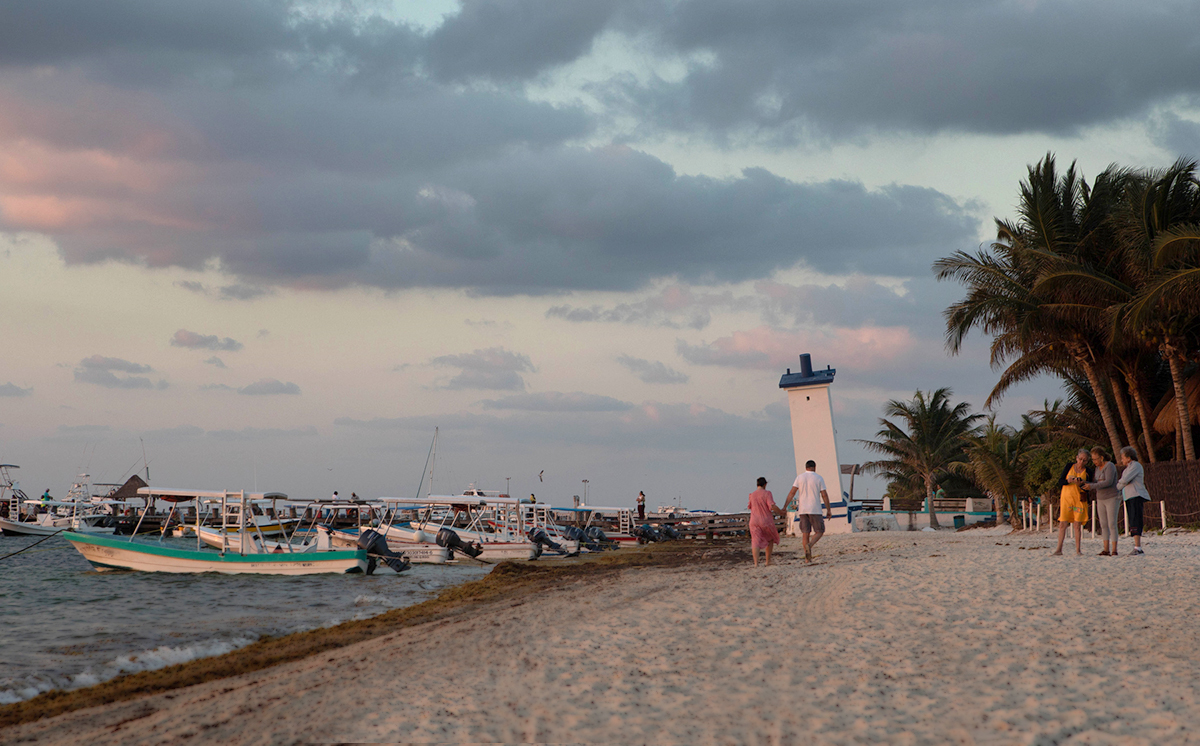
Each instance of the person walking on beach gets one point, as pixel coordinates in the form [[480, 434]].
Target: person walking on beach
[[1133, 487], [763, 534], [1071, 508], [641, 506], [1108, 499], [809, 491]]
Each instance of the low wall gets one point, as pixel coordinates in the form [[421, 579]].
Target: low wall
[[921, 520]]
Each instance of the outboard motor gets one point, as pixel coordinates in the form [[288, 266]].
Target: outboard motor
[[596, 535], [449, 539], [376, 546], [574, 533], [539, 536], [646, 534]]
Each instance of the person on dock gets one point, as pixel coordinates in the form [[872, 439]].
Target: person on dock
[[1133, 487], [1071, 506], [763, 534], [809, 491], [641, 506], [1108, 499]]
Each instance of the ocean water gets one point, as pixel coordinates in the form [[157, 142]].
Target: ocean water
[[64, 625]]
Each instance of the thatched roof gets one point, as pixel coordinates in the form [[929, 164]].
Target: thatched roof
[[129, 489], [1164, 414]]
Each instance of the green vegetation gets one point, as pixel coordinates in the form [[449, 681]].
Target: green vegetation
[[1099, 285]]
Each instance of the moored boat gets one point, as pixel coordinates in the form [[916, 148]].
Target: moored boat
[[246, 553], [107, 553]]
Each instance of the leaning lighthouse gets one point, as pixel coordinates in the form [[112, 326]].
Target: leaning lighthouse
[[813, 435]]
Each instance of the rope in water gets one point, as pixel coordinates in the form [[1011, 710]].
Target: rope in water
[[31, 546]]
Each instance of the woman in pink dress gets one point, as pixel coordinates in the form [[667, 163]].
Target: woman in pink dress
[[763, 510]]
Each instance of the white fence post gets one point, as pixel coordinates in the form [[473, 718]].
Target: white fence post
[[1162, 508]]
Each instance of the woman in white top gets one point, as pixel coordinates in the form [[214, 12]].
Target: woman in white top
[[1133, 488]]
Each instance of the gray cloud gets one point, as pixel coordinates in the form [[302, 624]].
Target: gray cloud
[[708, 354], [925, 66], [676, 307], [11, 389], [652, 371], [283, 138], [554, 401], [217, 387], [495, 369], [102, 371], [239, 291], [215, 361], [515, 39], [268, 387], [194, 341], [262, 433]]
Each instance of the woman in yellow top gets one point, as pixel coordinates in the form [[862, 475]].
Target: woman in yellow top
[[1071, 505]]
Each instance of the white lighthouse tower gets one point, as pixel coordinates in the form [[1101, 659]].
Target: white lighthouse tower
[[814, 437]]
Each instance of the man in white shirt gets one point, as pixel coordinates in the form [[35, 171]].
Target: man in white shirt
[[810, 488]]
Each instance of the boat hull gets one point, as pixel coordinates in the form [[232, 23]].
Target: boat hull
[[114, 554], [22, 528], [417, 552]]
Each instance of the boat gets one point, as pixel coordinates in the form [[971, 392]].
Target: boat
[[617, 524], [420, 548], [473, 521], [239, 557], [108, 553], [78, 512]]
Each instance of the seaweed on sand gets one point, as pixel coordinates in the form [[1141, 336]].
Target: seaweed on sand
[[507, 582]]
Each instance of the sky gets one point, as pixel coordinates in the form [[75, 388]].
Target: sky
[[273, 245]]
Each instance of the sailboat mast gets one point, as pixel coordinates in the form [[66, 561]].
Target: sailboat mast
[[433, 460]]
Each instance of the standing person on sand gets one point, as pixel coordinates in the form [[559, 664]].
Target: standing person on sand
[[641, 506], [1133, 487], [763, 510], [811, 489], [1071, 508], [1108, 499]]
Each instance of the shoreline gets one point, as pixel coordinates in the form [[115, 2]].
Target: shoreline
[[513, 579], [891, 637]]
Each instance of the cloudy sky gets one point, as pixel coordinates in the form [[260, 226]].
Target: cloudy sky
[[280, 242]]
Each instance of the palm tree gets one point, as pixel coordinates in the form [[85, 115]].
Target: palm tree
[[994, 460], [928, 439], [1032, 330], [1138, 282], [1162, 230]]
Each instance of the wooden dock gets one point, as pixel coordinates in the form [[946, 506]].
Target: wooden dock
[[708, 527]]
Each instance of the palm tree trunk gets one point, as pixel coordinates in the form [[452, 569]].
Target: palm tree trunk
[[933, 521], [1139, 398], [1123, 409], [1101, 401], [1181, 406]]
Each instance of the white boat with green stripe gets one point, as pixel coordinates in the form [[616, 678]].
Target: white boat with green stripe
[[107, 553], [246, 555]]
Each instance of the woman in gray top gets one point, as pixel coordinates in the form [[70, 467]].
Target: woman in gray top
[[1133, 487], [1108, 499]]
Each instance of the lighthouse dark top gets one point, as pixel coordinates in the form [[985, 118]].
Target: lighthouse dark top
[[807, 376]]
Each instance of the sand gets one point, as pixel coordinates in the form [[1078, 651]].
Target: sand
[[898, 638]]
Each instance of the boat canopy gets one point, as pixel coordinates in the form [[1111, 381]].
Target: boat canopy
[[442, 500], [207, 494]]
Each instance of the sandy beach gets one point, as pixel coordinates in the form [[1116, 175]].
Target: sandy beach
[[902, 638]]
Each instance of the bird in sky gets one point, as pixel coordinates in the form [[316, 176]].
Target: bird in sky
[[540, 473]]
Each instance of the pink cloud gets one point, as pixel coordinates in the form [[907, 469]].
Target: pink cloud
[[765, 347]]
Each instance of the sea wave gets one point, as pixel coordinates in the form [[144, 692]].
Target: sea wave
[[149, 660]]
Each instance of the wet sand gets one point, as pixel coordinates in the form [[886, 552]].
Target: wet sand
[[906, 638]]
